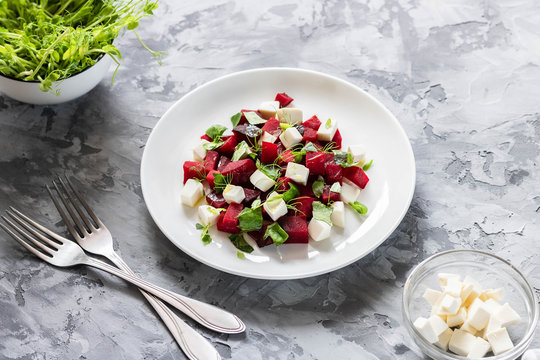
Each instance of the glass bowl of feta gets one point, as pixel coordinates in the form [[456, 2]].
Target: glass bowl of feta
[[463, 304]]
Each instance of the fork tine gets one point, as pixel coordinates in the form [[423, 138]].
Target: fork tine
[[63, 215], [84, 203], [76, 206], [32, 249], [39, 244], [41, 228], [33, 231], [82, 230]]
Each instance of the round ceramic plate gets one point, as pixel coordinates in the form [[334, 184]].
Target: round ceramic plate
[[361, 120]]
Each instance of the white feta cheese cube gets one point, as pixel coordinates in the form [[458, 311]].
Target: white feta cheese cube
[[291, 116], [275, 206], [457, 319], [492, 325], [472, 297], [444, 339], [461, 342], [479, 348], [466, 290], [426, 330], [268, 109], [199, 152], [438, 324], [290, 137], [234, 193], [297, 172], [349, 193], [191, 192], [432, 296], [499, 341], [478, 315], [267, 137], [319, 230], [261, 181], [338, 214], [507, 316], [208, 215], [327, 130], [443, 278], [449, 305], [453, 287], [358, 153], [470, 280], [492, 306], [495, 294], [468, 328]]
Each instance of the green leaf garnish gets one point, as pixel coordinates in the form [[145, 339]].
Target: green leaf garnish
[[328, 124], [343, 158], [240, 151], [205, 237], [276, 233], [250, 219], [253, 118], [273, 171], [221, 182], [215, 131], [367, 166], [235, 119], [318, 187], [310, 147], [256, 203], [290, 194], [359, 207], [322, 212], [240, 255], [199, 226], [240, 243], [212, 145], [336, 188]]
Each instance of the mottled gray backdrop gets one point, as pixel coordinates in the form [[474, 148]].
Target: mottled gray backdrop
[[462, 77]]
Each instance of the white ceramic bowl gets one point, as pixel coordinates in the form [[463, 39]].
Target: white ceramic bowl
[[69, 89]]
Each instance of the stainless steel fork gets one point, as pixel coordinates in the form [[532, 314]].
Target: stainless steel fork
[[59, 251]]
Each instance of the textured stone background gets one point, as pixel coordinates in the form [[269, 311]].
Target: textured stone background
[[463, 78]]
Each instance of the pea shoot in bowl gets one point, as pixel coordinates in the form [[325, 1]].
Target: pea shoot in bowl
[[57, 50]]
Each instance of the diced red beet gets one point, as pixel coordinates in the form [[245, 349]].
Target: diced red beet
[[312, 123], [194, 170], [283, 99], [211, 160], [246, 132], [216, 200], [334, 173], [258, 236], [337, 139], [328, 195], [223, 161], [356, 175], [206, 137], [310, 135], [251, 195], [315, 162], [228, 221], [330, 158], [280, 147], [306, 190], [272, 127], [210, 177], [286, 157], [304, 206], [269, 152], [296, 227], [240, 171], [283, 184], [228, 147]]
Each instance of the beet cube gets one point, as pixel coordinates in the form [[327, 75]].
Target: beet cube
[[337, 139], [210, 177], [306, 190], [247, 133], [216, 200], [228, 146], [228, 221], [312, 123], [211, 160], [272, 127], [223, 161], [304, 206], [283, 184], [296, 227], [286, 157], [328, 195], [251, 195], [310, 135], [315, 162], [194, 170], [269, 152], [330, 158], [240, 171], [356, 175], [283, 99], [258, 236], [334, 173]]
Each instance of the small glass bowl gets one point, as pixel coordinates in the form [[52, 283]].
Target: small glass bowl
[[492, 272]]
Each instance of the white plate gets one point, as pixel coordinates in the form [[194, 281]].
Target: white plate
[[361, 119]]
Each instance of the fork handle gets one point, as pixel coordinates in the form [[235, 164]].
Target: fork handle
[[207, 315], [194, 345]]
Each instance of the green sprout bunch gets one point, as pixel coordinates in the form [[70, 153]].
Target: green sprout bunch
[[51, 40]]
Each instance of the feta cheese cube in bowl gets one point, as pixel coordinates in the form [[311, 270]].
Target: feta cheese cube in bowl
[[476, 329]]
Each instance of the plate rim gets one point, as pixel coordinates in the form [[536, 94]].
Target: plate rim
[[304, 274]]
